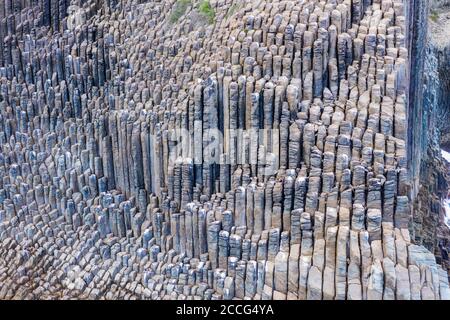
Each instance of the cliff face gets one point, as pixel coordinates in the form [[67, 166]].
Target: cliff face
[[429, 127], [177, 149]]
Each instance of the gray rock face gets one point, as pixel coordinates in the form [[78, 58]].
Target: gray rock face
[[149, 153]]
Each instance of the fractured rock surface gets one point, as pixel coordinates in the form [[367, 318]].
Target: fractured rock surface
[[152, 154]]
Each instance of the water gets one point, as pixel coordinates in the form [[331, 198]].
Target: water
[[447, 212]]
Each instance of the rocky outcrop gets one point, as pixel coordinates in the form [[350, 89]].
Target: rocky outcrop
[[151, 152], [430, 111]]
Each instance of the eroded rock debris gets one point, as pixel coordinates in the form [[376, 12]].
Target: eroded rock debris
[[151, 152]]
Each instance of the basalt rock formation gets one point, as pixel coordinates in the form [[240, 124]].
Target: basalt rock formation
[[253, 150], [432, 118]]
